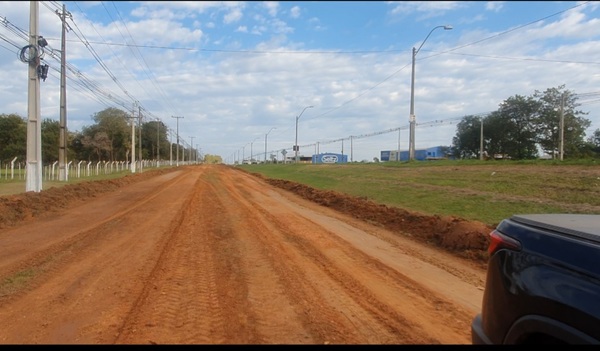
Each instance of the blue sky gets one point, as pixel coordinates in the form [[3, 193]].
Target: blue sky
[[239, 70]]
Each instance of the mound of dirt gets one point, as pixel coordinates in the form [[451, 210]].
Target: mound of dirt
[[18, 208], [468, 239]]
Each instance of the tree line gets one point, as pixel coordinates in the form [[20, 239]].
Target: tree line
[[108, 139], [524, 126]]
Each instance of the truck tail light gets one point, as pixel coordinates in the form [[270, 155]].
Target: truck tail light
[[500, 241]]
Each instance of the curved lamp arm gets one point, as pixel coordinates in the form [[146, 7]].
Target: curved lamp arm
[[446, 27]]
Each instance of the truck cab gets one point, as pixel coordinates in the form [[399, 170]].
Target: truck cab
[[543, 282]]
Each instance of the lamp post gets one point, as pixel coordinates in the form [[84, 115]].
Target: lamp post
[[157, 142], [191, 147], [296, 145], [412, 118], [266, 135], [251, 154], [178, 118]]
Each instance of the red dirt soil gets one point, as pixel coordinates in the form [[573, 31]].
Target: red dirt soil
[[213, 255]]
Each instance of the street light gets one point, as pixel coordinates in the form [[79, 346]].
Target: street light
[[412, 118], [178, 118], [296, 145], [157, 142], [251, 154], [266, 143]]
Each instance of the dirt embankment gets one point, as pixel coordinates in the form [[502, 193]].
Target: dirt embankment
[[468, 239]]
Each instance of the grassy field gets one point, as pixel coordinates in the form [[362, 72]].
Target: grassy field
[[486, 191], [15, 183]]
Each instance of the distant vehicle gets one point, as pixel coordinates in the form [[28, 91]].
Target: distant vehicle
[[543, 282]]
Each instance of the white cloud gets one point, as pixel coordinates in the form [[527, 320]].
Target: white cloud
[[272, 7], [234, 15], [494, 6], [295, 12], [431, 8]]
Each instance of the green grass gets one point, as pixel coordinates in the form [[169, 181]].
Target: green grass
[[16, 282], [486, 191], [17, 184]]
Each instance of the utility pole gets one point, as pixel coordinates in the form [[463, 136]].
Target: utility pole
[[562, 125], [133, 139], [140, 135], [171, 148], [63, 172], [191, 147], [351, 149], [398, 156], [177, 118], [157, 142], [34, 132], [481, 139]]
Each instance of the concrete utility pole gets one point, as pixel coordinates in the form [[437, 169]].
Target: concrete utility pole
[[562, 125], [481, 140], [140, 135], [63, 171], [133, 138], [296, 147], [158, 142], [266, 135], [34, 131], [351, 149], [177, 163], [412, 118], [191, 147], [170, 148]]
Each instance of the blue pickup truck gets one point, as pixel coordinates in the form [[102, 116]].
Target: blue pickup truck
[[543, 282]]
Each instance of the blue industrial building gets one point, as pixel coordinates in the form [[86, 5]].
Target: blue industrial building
[[432, 153], [330, 158]]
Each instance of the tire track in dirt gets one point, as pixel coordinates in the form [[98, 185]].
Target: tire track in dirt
[[333, 263], [83, 285], [191, 300], [72, 237], [278, 318], [319, 317]]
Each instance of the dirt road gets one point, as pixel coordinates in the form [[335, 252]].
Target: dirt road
[[212, 255]]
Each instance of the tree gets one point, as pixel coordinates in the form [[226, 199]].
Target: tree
[[50, 140], [552, 102], [517, 117], [97, 143], [154, 133], [466, 143], [592, 146], [115, 133], [523, 124], [13, 137], [212, 159]]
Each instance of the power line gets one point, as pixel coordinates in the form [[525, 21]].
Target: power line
[[148, 71]]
